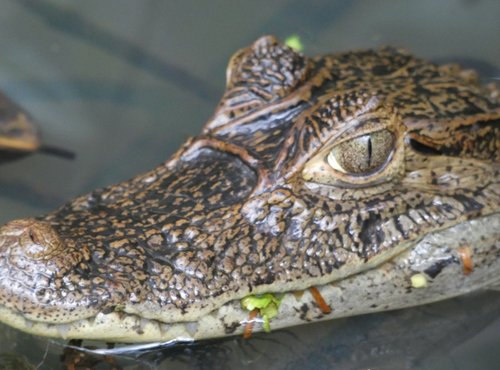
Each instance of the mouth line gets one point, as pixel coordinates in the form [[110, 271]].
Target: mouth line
[[133, 328]]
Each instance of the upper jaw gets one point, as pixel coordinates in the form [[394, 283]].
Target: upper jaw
[[126, 247]]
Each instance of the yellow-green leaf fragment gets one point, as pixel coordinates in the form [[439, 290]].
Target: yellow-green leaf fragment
[[418, 281], [252, 302], [270, 310], [294, 42], [266, 324], [267, 304]]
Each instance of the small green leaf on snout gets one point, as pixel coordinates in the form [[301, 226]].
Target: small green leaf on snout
[[294, 42], [267, 304]]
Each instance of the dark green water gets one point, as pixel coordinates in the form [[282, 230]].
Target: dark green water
[[124, 83]]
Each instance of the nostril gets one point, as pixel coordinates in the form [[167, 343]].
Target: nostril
[[31, 238], [30, 247], [42, 241]]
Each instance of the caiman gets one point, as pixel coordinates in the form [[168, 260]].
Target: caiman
[[341, 184]]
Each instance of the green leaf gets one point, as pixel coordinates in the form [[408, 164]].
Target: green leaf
[[294, 42], [270, 311], [252, 302], [266, 324], [268, 305]]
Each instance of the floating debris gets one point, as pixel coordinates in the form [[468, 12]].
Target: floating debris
[[419, 281]]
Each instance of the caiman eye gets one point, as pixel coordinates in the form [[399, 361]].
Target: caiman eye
[[362, 155], [366, 151], [358, 161]]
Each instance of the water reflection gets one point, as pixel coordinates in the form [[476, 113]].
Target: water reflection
[[71, 22]]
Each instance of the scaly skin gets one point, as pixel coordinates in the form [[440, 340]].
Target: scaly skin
[[253, 205]]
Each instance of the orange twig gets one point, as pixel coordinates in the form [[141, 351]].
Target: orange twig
[[247, 332], [318, 298], [466, 257]]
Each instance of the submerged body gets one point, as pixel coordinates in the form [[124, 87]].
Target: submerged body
[[371, 175]]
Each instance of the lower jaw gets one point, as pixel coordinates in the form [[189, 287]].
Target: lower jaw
[[436, 261]]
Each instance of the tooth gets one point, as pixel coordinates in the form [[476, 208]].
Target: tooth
[[84, 323], [192, 328], [142, 323], [63, 329], [298, 294], [157, 324], [164, 328]]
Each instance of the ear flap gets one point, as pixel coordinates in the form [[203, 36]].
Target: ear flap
[[259, 74]]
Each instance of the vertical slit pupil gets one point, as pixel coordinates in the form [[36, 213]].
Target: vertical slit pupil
[[369, 151]]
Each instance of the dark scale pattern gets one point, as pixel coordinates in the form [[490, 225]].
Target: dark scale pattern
[[268, 68], [235, 212], [257, 75]]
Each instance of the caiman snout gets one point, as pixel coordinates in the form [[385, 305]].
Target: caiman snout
[[159, 244]]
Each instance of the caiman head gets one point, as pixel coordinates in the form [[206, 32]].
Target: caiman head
[[353, 173]]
